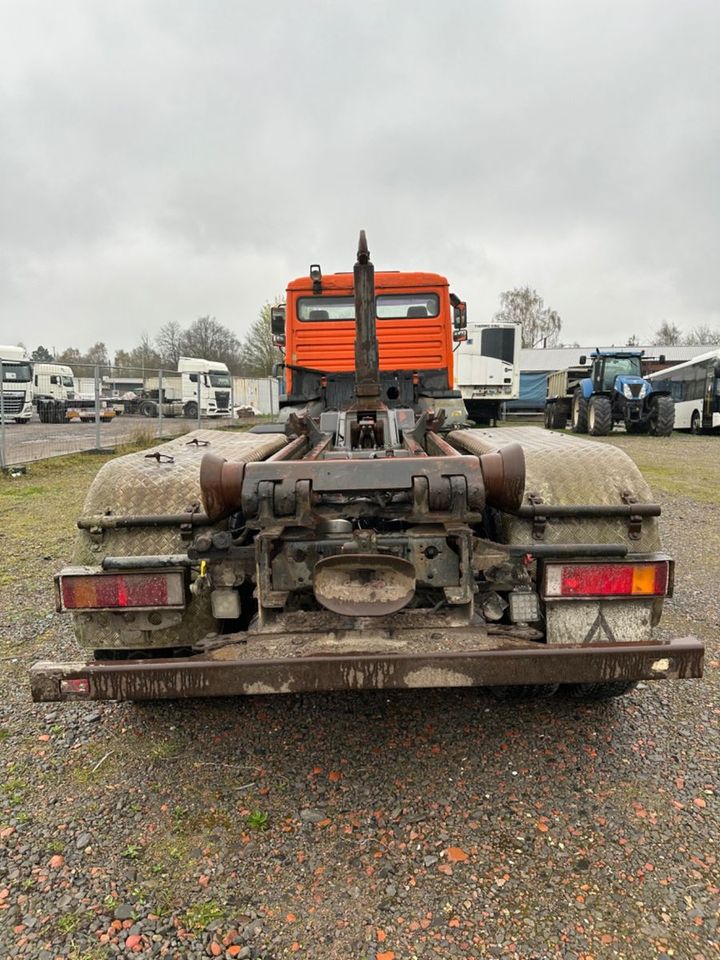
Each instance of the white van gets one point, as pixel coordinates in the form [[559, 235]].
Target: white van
[[53, 381], [16, 385]]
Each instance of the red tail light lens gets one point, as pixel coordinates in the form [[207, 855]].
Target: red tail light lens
[[651, 579], [124, 591]]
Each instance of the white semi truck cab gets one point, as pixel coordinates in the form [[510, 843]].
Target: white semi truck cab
[[215, 386], [16, 385], [53, 381]]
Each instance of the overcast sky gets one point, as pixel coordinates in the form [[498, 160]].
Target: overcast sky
[[163, 160]]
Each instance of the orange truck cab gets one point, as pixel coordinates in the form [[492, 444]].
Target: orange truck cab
[[418, 323]]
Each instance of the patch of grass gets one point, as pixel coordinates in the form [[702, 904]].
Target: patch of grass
[[21, 492], [199, 915], [686, 483], [257, 820], [4, 734], [131, 852], [68, 923], [93, 953], [164, 750]]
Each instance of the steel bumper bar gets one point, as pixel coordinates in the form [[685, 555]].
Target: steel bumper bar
[[206, 677]]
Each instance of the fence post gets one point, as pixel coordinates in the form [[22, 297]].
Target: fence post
[[232, 398], [160, 402], [3, 461], [97, 407], [199, 403]]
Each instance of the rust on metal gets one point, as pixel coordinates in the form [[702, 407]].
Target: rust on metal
[[112, 522], [538, 664], [504, 476], [367, 358], [364, 584], [221, 485]]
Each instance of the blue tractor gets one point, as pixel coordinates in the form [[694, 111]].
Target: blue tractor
[[611, 390]]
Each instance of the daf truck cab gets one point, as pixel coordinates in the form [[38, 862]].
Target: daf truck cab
[[16, 385], [53, 381]]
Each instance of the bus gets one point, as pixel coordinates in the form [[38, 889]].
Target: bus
[[487, 369], [695, 388]]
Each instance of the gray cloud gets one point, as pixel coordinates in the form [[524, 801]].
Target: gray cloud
[[159, 160]]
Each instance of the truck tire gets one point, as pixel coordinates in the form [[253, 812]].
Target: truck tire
[[148, 409], [579, 414], [190, 410], [662, 417], [599, 417], [549, 414], [696, 423], [599, 691], [559, 420]]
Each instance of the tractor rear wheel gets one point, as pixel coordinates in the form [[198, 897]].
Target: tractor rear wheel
[[662, 417], [599, 691], [579, 414], [599, 417]]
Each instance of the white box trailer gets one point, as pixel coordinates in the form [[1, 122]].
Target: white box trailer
[[487, 369], [16, 386]]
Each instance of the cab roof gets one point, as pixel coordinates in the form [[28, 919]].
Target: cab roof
[[384, 279]]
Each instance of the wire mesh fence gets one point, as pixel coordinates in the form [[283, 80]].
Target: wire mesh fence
[[51, 409]]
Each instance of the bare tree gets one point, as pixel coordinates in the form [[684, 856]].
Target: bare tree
[[210, 340], [701, 335], [668, 334], [258, 354], [526, 307], [69, 355], [168, 343], [97, 354], [142, 357]]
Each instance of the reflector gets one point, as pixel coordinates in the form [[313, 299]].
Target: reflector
[[109, 591], [648, 579], [79, 687]]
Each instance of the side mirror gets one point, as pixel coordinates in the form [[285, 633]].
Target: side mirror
[[460, 316], [583, 360], [277, 325], [716, 370], [460, 335]]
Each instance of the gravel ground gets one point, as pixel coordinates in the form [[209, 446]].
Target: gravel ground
[[368, 826]]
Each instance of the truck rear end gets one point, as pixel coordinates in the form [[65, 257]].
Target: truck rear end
[[364, 545]]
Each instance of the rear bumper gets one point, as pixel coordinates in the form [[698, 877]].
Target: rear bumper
[[203, 676]]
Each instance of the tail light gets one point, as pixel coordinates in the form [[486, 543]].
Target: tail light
[[641, 579], [119, 591]]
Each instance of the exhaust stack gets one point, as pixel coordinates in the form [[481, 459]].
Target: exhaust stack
[[367, 359]]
